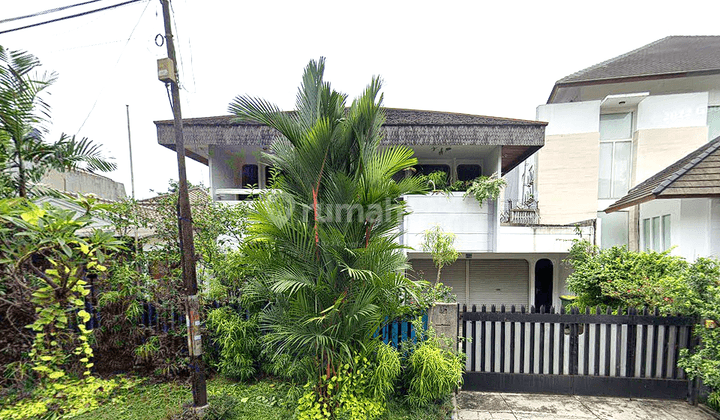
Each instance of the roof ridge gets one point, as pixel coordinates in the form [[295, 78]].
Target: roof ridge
[[709, 148], [595, 66]]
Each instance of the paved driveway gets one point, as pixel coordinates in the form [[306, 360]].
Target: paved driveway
[[494, 405]]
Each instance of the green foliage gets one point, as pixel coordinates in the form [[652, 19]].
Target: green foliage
[[485, 188], [618, 277], [436, 181], [441, 246], [24, 156], [42, 252], [704, 296], [327, 266], [65, 399], [239, 341], [432, 372], [358, 390]]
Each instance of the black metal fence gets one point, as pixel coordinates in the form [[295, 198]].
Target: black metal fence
[[621, 351]]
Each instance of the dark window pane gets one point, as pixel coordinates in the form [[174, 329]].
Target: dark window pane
[[249, 175], [428, 169], [468, 172]]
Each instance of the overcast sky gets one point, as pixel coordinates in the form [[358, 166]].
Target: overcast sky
[[490, 58]]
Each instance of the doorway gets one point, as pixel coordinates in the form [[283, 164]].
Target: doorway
[[543, 283]]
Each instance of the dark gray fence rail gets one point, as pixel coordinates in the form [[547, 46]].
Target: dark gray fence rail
[[622, 351]]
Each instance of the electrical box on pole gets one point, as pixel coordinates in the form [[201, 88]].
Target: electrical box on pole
[[166, 70]]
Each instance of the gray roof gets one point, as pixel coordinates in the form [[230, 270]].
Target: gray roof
[[696, 175], [667, 57], [409, 127]]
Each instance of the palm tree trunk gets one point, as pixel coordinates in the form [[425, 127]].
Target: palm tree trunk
[[437, 280], [22, 180]]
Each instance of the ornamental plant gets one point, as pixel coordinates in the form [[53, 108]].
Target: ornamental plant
[[329, 270]]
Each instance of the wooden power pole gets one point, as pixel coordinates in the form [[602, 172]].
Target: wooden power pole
[[192, 308]]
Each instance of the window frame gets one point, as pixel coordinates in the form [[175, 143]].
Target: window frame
[[614, 142], [663, 236]]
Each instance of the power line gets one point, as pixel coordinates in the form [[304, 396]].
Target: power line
[[115, 66], [57, 9], [70, 16]]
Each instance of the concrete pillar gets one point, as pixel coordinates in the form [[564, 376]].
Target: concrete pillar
[[443, 317]]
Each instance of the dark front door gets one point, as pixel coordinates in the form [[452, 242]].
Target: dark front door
[[543, 283]]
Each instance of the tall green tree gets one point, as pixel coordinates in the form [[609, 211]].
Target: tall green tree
[[24, 154], [325, 240]]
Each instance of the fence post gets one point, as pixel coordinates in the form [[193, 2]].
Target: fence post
[[444, 319], [693, 384]]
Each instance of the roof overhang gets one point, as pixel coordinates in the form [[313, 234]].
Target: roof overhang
[[628, 79], [518, 141]]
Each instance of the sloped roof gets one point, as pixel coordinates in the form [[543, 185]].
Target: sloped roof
[[694, 176], [408, 127], [672, 56]]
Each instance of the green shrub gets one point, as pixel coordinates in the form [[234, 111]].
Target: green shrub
[[357, 391], [432, 371], [618, 277], [485, 187], [238, 340]]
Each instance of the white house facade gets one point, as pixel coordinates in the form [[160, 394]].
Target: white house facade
[[498, 261]]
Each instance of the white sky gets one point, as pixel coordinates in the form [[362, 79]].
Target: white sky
[[478, 57]]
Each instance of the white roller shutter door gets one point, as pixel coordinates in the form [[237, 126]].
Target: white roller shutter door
[[452, 275], [499, 282]]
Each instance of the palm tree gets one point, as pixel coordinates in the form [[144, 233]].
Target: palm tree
[[24, 155], [325, 240]]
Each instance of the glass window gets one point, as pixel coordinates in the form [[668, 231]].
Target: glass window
[[666, 231], [646, 235], [613, 229], [621, 168], [468, 172], [656, 233], [616, 126], [249, 176], [428, 169], [713, 122], [605, 172], [615, 155]]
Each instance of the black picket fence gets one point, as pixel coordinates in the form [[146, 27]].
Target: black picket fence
[[621, 351]]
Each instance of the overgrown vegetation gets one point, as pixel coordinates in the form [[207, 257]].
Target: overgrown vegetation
[[481, 188], [617, 277]]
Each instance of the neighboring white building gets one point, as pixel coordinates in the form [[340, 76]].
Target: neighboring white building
[[613, 126], [499, 262]]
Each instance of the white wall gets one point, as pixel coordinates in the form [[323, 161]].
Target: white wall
[[225, 165], [694, 225], [539, 238], [670, 111], [570, 118], [474, 226]]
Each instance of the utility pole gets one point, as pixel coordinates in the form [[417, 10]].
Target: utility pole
[[192, 308], [132, 177]]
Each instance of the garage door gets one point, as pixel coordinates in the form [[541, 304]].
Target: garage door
[[499, 282], [452, 275]]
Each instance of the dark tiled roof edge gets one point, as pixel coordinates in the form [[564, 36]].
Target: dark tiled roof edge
[[710, 148]]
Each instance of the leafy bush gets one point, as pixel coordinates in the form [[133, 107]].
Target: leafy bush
[[64, 399], [238, 340], [431, 371], [618, 277], [485, 187]]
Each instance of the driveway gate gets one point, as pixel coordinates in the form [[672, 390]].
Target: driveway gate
[[630, 353]]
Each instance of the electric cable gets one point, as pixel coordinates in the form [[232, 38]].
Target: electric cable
[[70, 16], [115, 66], [44, 12]]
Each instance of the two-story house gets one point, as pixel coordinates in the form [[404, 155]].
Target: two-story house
[[498, 264], [630, 135]]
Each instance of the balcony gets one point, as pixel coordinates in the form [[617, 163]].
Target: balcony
[[475, 227]]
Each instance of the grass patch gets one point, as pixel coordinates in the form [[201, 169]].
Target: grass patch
[[264, 400]]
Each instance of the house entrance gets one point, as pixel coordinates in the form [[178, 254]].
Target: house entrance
[[543, 283]]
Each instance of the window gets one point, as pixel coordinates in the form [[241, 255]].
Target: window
[[466, 172], [613, 229], [615, 155], [656, 233], [713, 122], [249, 176], [428, 169]]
